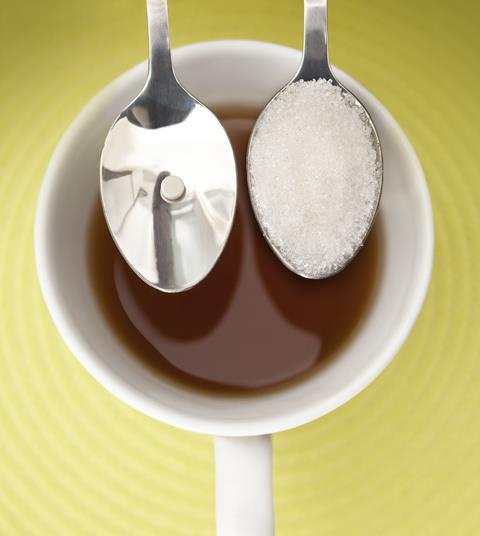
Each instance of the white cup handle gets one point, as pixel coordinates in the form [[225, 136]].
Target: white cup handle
[[244, 486]]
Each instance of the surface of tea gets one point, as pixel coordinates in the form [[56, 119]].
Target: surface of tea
[[251, 323]]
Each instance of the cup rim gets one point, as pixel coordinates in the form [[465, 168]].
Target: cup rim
[[139, 400]]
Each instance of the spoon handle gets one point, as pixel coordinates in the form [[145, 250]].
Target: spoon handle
[[315, 46], [160, 70]]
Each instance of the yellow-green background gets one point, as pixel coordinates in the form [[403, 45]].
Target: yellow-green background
[[403, 458]]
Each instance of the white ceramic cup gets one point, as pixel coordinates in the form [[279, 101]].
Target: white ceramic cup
[[230, 73]]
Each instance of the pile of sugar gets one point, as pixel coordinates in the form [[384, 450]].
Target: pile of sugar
[[314, 177]]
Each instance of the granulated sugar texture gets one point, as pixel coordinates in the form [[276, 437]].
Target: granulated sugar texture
[[314, 176]]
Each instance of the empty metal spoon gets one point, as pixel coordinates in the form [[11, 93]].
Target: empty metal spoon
[[314, 66], [168, 176]]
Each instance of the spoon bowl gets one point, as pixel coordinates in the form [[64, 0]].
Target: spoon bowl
[[168, 176]]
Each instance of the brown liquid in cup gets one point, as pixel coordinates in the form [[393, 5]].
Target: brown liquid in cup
[[251, 324]]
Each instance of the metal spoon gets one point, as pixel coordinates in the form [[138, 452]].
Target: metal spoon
[[168, 176], [314, 66]]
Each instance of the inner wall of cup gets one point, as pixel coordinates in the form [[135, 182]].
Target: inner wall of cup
[[225, 74]]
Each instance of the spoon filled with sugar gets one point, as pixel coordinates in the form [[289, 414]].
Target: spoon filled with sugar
[[168, 176], [314, 164]]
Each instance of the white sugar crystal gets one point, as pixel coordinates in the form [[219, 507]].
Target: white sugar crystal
[[314, 176]]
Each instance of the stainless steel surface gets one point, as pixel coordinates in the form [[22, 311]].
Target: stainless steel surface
[[172, 245], [314, 66]]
